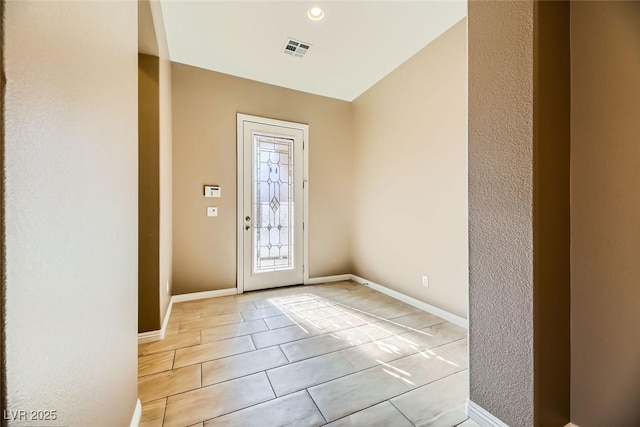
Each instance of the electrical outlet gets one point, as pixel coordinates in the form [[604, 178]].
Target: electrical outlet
[[425, 281]]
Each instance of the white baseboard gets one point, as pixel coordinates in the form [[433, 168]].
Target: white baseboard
[[158, 335], [150, 336], [483, 417], [204, 295], [450, 317], [327, 279], [165, 322], [137, 414]]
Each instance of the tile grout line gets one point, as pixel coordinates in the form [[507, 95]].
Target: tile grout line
[[398, 409], [324, 382], [360, 410], [218, 358], [395, 396], [270, 385], [200, 328], [171, 395], [353, 346], [164, 413], [260, 403], [384, 319], [306, 322], [253, 343], [350, 328], [226, 413], [232, 336], [310, 358], [167, 349], [370, 367], [248, 406], [164, 372], [331, 303], [226, 381], [424, 385], [316, 405], [285, 354]]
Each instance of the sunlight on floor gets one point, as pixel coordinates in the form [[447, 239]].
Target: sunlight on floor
[[308, 355]]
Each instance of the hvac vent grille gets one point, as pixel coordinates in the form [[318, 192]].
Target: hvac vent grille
[[296, 48]]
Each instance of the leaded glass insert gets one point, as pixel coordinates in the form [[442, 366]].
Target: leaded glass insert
[[273, 204]]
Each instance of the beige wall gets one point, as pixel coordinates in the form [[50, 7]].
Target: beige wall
[[551, 217], [71, 210], [156, 167], [409, 215], [148, 194], [166, 183], [605, 220], [205, 104], [166, 160]]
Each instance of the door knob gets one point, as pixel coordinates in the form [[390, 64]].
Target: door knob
[[246, 227], [247, 218]]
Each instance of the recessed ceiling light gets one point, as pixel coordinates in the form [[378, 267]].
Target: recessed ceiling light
[[315, 13]]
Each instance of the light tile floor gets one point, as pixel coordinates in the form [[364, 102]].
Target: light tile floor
[[335, 354]]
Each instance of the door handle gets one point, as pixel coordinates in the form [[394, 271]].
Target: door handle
[[246, 227], [247, 218]]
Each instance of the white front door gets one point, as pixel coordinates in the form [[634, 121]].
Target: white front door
[[271, 201]]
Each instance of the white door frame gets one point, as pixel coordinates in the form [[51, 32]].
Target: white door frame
[[241, 118]]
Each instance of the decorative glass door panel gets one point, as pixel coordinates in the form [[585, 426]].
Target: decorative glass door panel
[[273, 204], [271, 227]]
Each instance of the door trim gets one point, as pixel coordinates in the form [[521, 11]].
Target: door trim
[[241, 118]]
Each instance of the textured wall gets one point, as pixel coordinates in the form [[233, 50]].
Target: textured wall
[[205, 104], [3, 373], [148, 193], [605, 220], [410, 161], [501, 209], [71, 210], [519, 210]]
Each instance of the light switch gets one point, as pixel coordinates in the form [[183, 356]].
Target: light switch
[[212, 211], [211, 191]]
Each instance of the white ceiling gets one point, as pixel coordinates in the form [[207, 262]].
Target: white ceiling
[[352, 48]]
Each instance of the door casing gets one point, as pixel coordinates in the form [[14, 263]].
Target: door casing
[[241, 119]]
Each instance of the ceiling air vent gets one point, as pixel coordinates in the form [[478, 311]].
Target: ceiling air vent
[[296, 48]]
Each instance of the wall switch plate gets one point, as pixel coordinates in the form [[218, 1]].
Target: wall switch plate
[[212, 211], [425, 281], [212, 191]]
